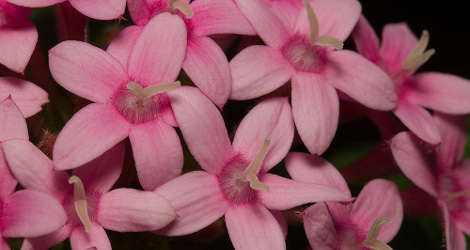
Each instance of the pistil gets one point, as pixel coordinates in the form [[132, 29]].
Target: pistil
[[80, 202], [371, 239], [417, 57], [147, 92], [182, 6], [314, 38], [251, 172]]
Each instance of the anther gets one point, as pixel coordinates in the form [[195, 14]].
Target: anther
[[313, 38], [251, 172], [80, 202], [182, 6], [417, 57], [371, 239]]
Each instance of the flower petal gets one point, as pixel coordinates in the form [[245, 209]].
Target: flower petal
[[13, 56], [453, 129], [95, 238], [35, 3], [281, 219], [122, 44], [86, 70], [367, 42], [455, 239], [91, 132], [142, 11], [253, 227], [49, 240], [258, 70], [100, 9], [12, 122], [27, 96], [8, 182], [315, 108], [319, 227]]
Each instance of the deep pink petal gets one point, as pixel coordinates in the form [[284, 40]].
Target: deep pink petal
[[252, 226], [360, 79], [159, 51], [415, 162], [27, 96], [441, 92], [91, 132], [455, 239], [207, 138], [453, 129], [311, 168], [319, 227], [129, 210], [258, 70], [284, 193], [35, 3], [8, 182], [273, 118], [31, 213], [419, 121], [367, 42], [157, 152], [101, 173], [86, 70], [13, 56], [142, 11], [49, 240], [122, 44], [12, 122], [96, 237], [197, 200], [207, 66], [315, 108], [100, 9]]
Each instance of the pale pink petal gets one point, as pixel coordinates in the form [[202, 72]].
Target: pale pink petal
[[397, 43], [101, 173], [270, 27], [319, 227], [284, 193], [207, 138], [252, 226], [219, 17], [35, 174], [441, 92], [122, 44], [13, 56], [415, 161], [315, 108], [207, 66], [95, 238], [35, 3], [157, 152], [419, 121], [49, 240], [258, 70], [281, 219], [8, 182], [86, 70], [91, 132], [360, 79], [197, 200], [27, 96], [453, 129], [159, 51], [142, 11], [289, 10], [367, 42], [455, 239], [270, 118], [12, 122], [129, 210], [311, 168], [31, 213], [100, 9]]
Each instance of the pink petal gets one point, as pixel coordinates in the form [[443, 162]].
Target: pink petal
[[31, 213], [319, 227], [27, 96], [34, 170], [207, 65], [252, 226], [284, 193], [91, 132], [8, 182], [49, 240], [142, 11], [315, 108], [281, 219], [102, 173], [270, 27], [207, 138], [13, 56], [86, 70], [197, 205], [367, 42], [157, 152], [455, 239], [100, 9], [453, 129], [273, 118], [35, 3], [419, 121], [129, 210], [258, 70], [441, 92], [289, 10], [12, 122], [415, 162], [311, 168], [219, 17], [122, 44], [96, 238], [159, 51], [360, 79]]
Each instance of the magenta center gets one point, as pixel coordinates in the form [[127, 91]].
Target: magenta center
[[135, 108], [303, 56], [92, 198]]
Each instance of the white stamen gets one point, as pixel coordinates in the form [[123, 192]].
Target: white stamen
[[136, 89], [182, 6], [80, 203], [459, 194], [251, 172], [417, 57], [371, 239], [147, 92], [330, 42]]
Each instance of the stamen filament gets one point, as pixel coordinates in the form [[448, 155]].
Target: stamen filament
[[330, 42], [417, 57], [371, 239], [182, 6], [251, 172], [136, 89], [80, 202], [160, 88], [312, 23], [459, 194]]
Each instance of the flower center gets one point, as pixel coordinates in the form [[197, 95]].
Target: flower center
[[138, 104], [371, 239], [83, 205], [174, 5]]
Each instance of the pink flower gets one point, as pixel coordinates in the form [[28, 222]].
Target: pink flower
[[27, 95], [129, 101], [96, 9], [400, 55], [440, 173], [305, 55], [25, 213], [235, 183], [86, 198], [18, 36]]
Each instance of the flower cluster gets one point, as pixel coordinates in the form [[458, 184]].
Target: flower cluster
[[158, 99]]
